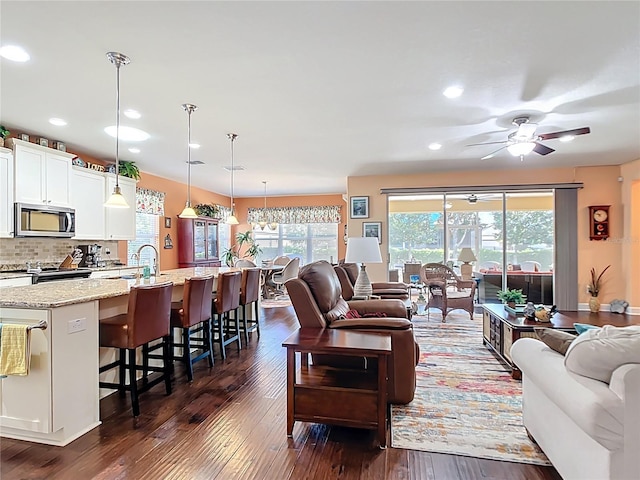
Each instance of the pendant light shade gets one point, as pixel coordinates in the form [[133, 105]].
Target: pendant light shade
[[117, 200], [188, 211], [232, 219], [521, 148]]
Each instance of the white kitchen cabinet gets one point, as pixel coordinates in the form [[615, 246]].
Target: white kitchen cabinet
[[43, 175], [58, 401], [87, 198], [121, 222], [6, 193]]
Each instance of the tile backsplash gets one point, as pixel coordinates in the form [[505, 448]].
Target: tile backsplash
[[16, 252]]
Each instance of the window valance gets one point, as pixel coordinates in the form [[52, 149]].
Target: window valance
[[288, 215], [149, 201]]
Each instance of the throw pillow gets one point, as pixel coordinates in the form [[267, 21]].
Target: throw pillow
[[555, 339], [583, 327], [599, 351]]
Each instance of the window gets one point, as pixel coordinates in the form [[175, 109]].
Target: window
[[308, 241], [147, 231]]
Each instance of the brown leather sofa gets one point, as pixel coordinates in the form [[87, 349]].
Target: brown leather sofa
[[317, 300], [348, 274]]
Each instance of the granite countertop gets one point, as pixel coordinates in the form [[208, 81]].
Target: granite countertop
[[69, 292]]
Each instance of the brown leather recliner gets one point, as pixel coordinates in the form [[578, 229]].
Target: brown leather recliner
[[317, 300], [348, 274]]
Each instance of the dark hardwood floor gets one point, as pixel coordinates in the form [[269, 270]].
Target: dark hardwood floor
[[230, 423]]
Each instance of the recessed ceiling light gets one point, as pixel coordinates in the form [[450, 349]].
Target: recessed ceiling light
[[435, 146], [57, 121], [453, 91], [128, 134], [14, 53], [567, 138], [194, 145], [131, 113], [134, 150]]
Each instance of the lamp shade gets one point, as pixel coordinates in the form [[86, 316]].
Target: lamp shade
[[363, 250], [521, 148], [466, 255]]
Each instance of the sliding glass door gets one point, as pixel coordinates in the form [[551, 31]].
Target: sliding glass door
[[510, 235]]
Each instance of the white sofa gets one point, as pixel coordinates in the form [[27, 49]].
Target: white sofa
[[589, 430]]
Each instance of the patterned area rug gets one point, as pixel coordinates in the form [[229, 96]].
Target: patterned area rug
[[275, 303], [466, 402]]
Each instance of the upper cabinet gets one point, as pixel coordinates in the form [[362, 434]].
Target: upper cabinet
[[121, 222], [89, 191], [87, 198], [6, 193], [43, 175]]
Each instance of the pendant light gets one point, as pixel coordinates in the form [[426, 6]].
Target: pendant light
[[272, 224], [117, 200], [232, 220], [188, 212], [263, 218]]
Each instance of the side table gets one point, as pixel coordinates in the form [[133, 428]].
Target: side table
[[338, 396]]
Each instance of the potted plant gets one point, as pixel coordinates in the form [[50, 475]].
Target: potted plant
[[593, 287], [129, 169], [4, 133], [232, 253], [511, 296], [210, 210]]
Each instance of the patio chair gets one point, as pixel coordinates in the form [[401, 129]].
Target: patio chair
[[447, 291]]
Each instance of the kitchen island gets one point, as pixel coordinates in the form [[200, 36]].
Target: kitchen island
[[58, 401]]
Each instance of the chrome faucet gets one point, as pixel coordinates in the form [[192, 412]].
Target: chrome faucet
[[156, 262]]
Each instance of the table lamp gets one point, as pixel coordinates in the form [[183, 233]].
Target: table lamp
[[466, 256], [363, 250]]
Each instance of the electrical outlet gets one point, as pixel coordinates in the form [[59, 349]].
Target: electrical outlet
[[77, 325]]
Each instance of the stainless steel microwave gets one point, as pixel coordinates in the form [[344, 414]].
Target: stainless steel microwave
[[44, 221]]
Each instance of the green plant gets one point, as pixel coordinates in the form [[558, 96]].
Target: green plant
[[4, 133], [129, 169], [511, 295], [207, 210], [229, 255], [596, 282]]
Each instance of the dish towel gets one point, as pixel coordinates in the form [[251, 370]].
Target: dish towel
[[15, 349]]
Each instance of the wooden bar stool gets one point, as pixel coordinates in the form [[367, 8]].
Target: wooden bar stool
[[227, 300], [194, 311], [146, 320], [249, 293]]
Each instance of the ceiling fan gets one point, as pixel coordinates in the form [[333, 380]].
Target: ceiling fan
[[524, 140]]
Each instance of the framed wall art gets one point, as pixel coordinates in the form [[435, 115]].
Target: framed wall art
[[372, 229], [359, 207]]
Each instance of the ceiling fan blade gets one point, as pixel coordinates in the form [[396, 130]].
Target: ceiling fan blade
[[492, 154], [576, 131], [485, 143], [526, 130], [542, 149]]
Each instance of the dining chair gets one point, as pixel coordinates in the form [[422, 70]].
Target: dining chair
[[243, 263], [288, 272]]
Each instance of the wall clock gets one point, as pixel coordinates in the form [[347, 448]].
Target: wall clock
[[599, 222]]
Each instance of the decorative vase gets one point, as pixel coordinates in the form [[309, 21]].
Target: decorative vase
[[594, 304]]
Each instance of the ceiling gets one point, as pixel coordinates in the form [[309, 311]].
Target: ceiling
[[319, 91]]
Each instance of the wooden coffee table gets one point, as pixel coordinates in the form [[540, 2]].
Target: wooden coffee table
[[338, 396], [501, 328]]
